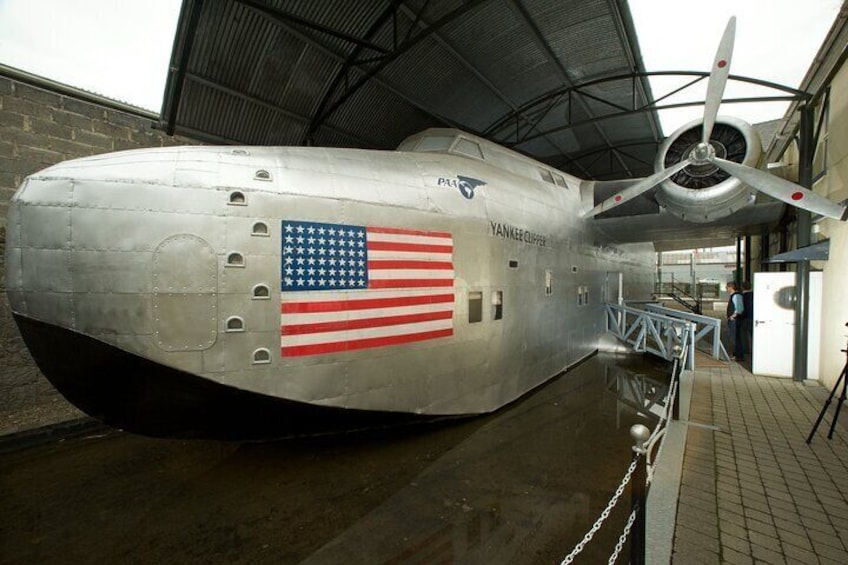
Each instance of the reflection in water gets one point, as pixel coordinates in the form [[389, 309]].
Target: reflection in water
[[637, 391], [522, 485]]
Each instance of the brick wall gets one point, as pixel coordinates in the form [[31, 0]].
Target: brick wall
[[39, 128]]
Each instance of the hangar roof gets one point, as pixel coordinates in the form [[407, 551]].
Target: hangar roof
[[369, 73]]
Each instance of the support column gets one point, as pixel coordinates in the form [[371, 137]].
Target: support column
[[747, 276], [659, 272], [803, 226], [737, 274], [765, 250]]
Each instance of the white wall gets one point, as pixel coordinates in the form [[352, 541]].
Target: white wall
[[835, 186]]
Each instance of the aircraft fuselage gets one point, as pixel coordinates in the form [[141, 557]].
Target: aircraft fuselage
[[405, 282]]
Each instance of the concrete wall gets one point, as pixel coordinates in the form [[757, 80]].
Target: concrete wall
[[39, 128], [835, 186]]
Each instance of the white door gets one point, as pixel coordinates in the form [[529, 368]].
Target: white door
[[774, 324]]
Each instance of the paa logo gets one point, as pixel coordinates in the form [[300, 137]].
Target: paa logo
[[466, 185]]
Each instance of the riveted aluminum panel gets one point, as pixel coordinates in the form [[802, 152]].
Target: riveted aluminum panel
[[45, 190], [47, 270], [138, 230], [107, 315], [185, 283], [52, 307], [117, 272], [45, 226], [143, 166], [184, 200]]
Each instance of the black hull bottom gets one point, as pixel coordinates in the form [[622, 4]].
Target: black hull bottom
[[137, 395]]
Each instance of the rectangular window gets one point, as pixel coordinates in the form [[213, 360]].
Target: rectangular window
[[549, 281], [434, 143], [546, 175], [475, 306], [466, 147], [497, 305], [513, 264], [560, 181], [582, 295]]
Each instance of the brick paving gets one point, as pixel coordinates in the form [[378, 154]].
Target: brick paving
[[752, 490]]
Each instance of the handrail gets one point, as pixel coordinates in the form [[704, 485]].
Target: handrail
[[706, 324], [650, 331]]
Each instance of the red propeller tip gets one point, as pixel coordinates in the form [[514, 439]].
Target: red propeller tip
[[797, 195]]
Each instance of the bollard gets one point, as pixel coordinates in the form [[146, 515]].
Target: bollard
[[640, 435]]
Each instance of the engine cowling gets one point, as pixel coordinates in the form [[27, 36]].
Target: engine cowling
[[704, 193]]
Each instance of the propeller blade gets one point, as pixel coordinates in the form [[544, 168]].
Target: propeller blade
[[718, 78], [783, 190], [635, 190]]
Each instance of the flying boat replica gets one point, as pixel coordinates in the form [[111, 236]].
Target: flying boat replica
[[251, 292]]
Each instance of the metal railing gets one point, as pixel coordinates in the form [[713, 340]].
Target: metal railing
[[651, 332], [708, 327]]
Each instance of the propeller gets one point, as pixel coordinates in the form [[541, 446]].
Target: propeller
[[635, 190], [783, 190], [718, 79], [704, 153]]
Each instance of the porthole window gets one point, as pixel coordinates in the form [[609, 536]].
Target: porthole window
[[237, 199], [261, 292], [262, 174], [261, 356], [260, 229], [235, 260], [235, 324]]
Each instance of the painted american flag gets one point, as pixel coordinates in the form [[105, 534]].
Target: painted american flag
[[346, 288]]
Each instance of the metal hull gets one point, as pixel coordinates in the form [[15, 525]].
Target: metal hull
[[135, 251]]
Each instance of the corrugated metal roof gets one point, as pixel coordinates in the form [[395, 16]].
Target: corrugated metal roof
[[369, 73]]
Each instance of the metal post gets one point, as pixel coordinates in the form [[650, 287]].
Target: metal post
[[737, 273], [748, 276], [638, 494], [659, 272], [803, 227], [676, 371], [765, 250], [692, 274]]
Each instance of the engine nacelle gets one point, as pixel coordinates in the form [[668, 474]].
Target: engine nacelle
[[703, 193]]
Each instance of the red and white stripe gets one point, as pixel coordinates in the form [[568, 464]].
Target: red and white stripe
[[409, 298]]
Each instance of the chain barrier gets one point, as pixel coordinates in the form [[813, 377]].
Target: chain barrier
[[657, 434], [622, 538], [604, 515]]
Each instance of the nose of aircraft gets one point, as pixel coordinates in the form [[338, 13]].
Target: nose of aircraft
[[61, 243]]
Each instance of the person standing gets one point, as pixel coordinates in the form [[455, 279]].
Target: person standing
[[735, 310]]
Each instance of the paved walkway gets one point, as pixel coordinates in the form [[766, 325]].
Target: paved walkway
[[752, 490]]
